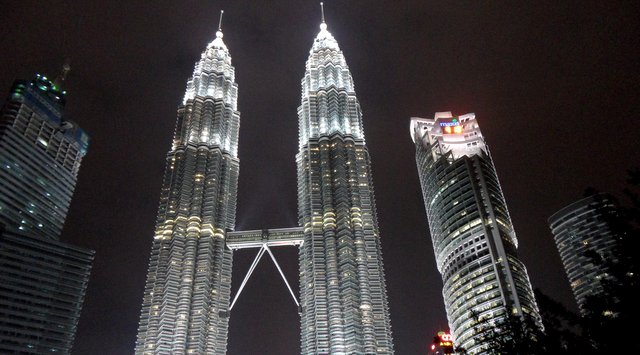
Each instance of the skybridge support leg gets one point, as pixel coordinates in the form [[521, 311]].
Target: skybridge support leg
[[282, 274], [246, 278]]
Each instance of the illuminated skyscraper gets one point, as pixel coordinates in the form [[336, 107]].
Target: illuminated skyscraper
[[582, 227], [472, 234], [189, 279], [343, 302], [342, 284], [42, 280]]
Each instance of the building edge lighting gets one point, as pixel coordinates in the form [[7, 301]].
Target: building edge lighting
[[471, 231]]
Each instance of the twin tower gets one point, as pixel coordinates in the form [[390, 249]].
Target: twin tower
[[343, 303]]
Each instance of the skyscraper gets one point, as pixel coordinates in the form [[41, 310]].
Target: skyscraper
[[580, 228], [42, 280], [342, 284], [471, 231], [189, 278], [40, 155], [343, 302]]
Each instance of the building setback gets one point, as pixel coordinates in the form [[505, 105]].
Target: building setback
[[580, 228], [471, 231], [42, 280]]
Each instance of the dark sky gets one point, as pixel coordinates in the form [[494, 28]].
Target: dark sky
[[554, 85]]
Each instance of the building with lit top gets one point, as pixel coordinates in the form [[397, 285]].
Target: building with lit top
[[584, 227], [343, 303], [42, 280], [189, 278], [342, 284], [471, 231]]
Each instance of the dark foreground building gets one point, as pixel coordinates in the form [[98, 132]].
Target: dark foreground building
[[471, 230], [579, 229], [42, 280], [42, 287]]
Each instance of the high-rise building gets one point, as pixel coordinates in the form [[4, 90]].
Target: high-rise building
[[579, 229], [342, 283], [343, 302], [40, 154], [471, 231], [42, 280], [189, 278]]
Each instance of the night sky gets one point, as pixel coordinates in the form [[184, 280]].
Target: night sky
[[554, 86]]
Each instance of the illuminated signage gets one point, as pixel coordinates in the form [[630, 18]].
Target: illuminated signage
[[453, 122], [445, 342], [451, 127]]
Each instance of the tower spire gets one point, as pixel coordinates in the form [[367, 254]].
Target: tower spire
[[63, 74], [323, 25], [218, 43]]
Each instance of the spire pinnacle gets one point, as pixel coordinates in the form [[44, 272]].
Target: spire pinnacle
[[323, 25], [219, 32], [63, 74]]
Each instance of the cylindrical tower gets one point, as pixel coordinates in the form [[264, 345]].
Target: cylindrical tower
[[580, 229], [472, 234]]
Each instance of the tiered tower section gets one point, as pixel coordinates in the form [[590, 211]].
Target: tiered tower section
[[188, 284], [342, 284], [473, 238]]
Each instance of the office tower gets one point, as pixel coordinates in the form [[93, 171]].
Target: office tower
[[40, 154], [472, 234], [342, 284], [579, 229], [189, 279], [42, 280]]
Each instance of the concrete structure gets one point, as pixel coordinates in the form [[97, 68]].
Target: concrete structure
[[579, 228], [471, 231], [343, 303]]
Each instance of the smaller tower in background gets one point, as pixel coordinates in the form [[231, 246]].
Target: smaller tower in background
[[40, 155], [580, 229], [42, 280]]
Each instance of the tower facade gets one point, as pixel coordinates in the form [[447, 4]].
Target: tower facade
[[342, 285], [188, 285], [581, 228], [43, 281], [471, 230], [40, 155]]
